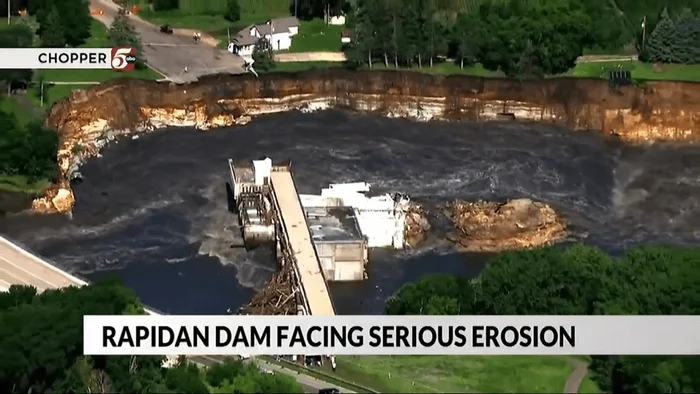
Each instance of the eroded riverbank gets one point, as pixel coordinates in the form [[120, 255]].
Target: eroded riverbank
[[657, 111]]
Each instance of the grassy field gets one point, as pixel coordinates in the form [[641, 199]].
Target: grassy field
[[19, 183], [640, 71], [52, 93], [214, 24], [668, 72], [316, 36], [12, 106], [304, 66], [421, 374], [588, 387]]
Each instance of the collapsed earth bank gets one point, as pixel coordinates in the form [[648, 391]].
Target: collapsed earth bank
[[89, 118]]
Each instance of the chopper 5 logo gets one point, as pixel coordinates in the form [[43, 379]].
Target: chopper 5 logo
[[123, 58]]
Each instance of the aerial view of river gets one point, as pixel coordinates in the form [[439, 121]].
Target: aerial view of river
[[153, 210]]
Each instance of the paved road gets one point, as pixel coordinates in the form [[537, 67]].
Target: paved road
[[170, 54], [17, 267]]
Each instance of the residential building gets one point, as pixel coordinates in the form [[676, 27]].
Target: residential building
[[346, 36], [278, 31], [337, 20]]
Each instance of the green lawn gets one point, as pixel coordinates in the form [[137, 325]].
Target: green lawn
[[19, 183], [446, 68], [640, 71], [252, 11], [316, 36], [52, 94], [304, 66], [12, 106], [672, 72], [451, 374], [588, 387]]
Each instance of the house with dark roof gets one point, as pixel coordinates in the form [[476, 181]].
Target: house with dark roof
[[278, 32]]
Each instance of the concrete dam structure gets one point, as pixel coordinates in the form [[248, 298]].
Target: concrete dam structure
[[340, 224]]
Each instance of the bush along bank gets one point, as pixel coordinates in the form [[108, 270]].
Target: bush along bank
[[27, 161]]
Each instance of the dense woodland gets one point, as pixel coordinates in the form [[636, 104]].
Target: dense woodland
[[28, 150], [579, 280], [41, 345], [518, 37]]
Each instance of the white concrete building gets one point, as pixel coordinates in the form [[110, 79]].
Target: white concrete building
[[381, 219], [278, 32]]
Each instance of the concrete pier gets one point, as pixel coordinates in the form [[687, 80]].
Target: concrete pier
[[295, 229]]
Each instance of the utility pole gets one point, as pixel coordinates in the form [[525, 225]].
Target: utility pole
[[644, 32], [296, 8], [8, 12]]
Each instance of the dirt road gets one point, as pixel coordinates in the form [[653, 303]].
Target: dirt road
[[576, 376], [170, 54], [310, 57]]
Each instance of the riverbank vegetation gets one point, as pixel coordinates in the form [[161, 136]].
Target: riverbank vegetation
[[652, 280], [27, 153], [41, 345], [513, 37]]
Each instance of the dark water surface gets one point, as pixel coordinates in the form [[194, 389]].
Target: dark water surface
[[153, 210]]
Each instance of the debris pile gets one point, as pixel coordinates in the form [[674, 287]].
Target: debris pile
[[485, 226], [277, 298], [416, 226]]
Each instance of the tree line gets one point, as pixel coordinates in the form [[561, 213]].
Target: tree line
[[674, 41], [517, 37], [41, 345], [28, 150], [579, 280]]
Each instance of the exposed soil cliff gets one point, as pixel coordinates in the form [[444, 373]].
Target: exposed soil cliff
[[89, 118], [486, 226]]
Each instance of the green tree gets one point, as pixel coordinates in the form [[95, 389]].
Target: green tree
[[580, 280], [122, 33], [52, 35], [468, 32], [233, 11], [523, 43], [16, 36], [165, 5], [74, 18], [433, 295], [660, 47], [263, 59], [41, 343], [686, 45]]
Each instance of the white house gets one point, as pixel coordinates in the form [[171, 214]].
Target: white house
[[346, 36], [338, 20], [278, 31]]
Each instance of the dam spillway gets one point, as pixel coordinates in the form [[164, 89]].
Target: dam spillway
[[269, 210], [325, 237]]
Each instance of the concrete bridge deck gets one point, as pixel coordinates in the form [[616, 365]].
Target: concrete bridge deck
[[20, 267], [295, 226]]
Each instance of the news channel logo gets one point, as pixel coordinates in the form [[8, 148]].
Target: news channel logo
[[123, 58]]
